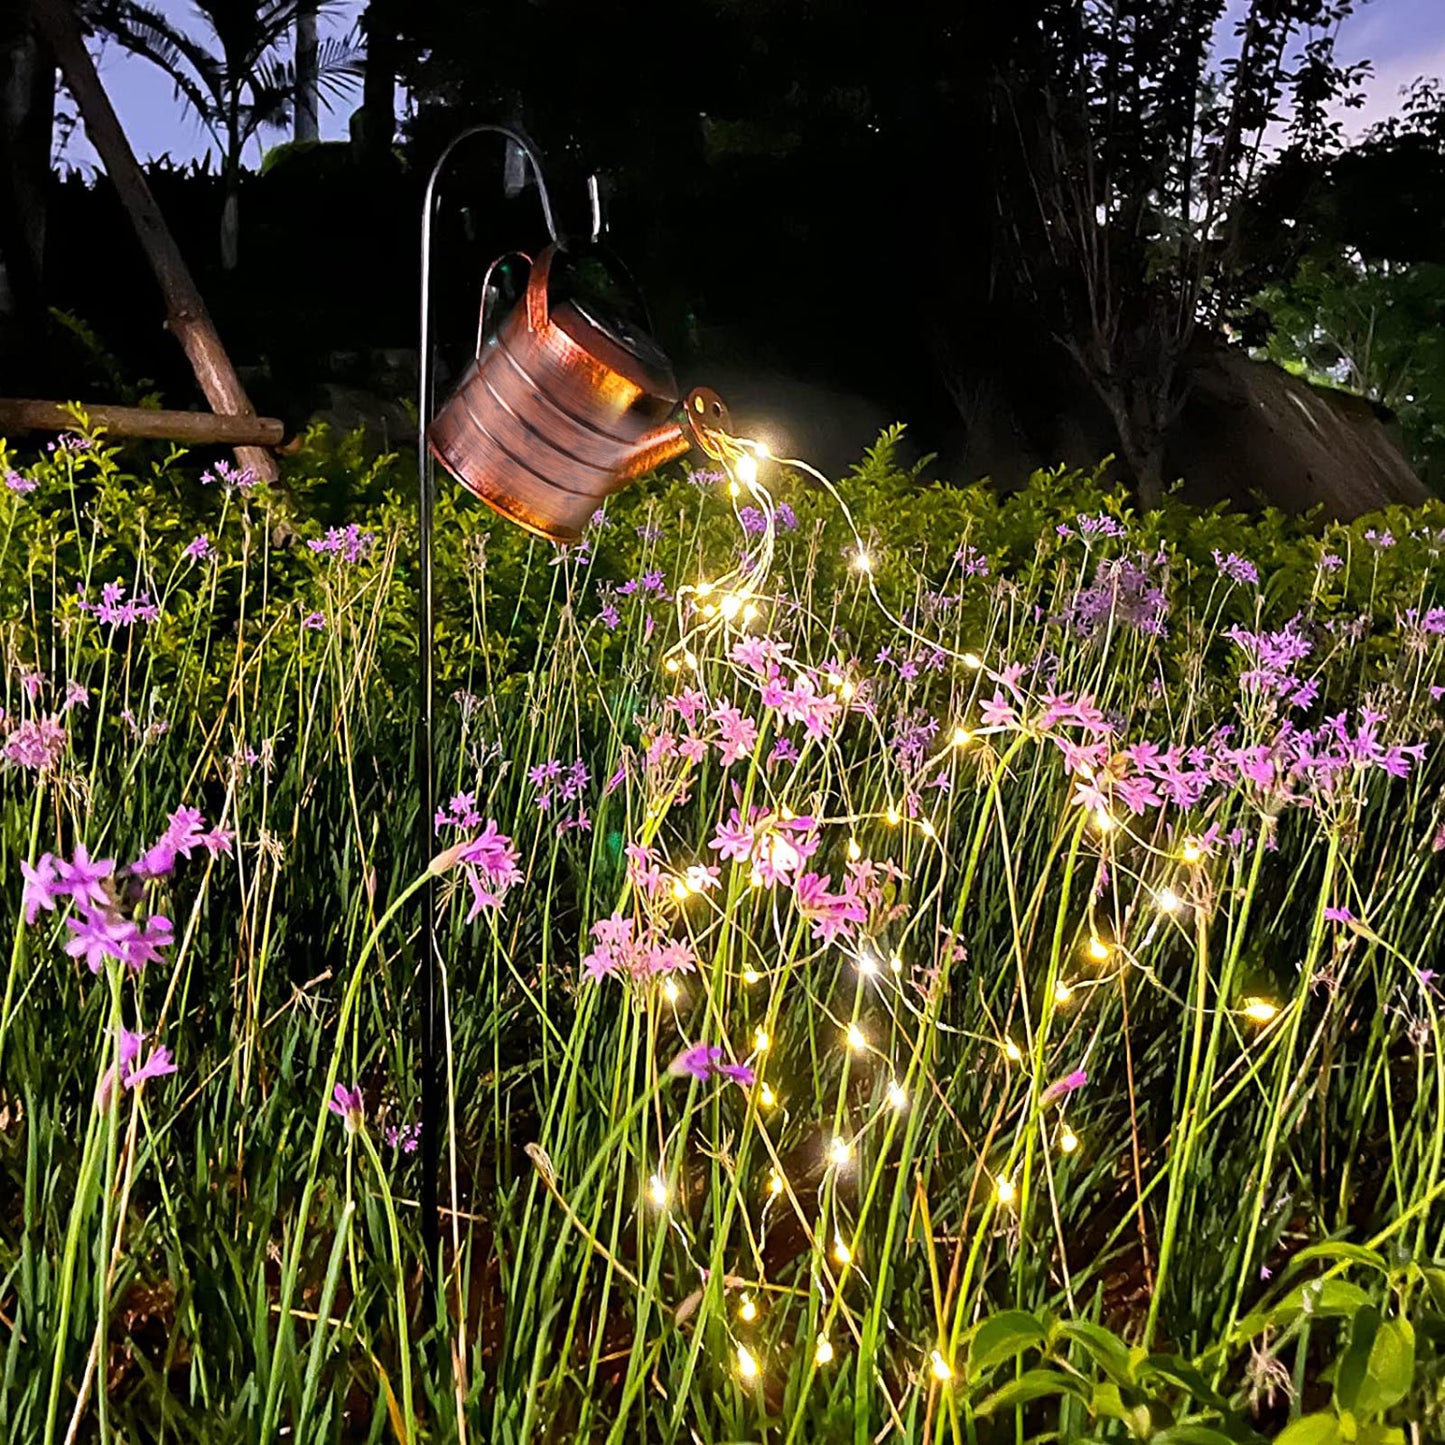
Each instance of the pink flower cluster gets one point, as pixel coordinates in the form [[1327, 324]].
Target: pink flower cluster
[[156, 1066], [775, 846], [349, 543], [620, 951], [491, 862], [38, 743], [1297, 765], [104, 900], [116, 610], [832, 915], [183, 836], [645, 873]]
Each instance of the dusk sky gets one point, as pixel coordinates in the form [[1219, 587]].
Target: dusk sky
[[1403, 38]]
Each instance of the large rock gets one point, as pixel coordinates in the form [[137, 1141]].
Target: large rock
[[1251, 432]]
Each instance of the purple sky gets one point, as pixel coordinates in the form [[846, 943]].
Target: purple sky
[[1404, 39], [158, 124]]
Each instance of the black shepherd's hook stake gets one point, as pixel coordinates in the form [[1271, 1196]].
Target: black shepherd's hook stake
[[433, 1112]]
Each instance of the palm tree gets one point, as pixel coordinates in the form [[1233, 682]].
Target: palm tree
[[235, 77]]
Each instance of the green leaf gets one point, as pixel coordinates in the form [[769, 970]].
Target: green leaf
[[1435, 1281], [1377, 1368], [1031, 1385], [1191, 1435], [1320, 1429], [1108, 1401], [1377, 1434], [1321, 1299], [1353, 1369], [1339, 1249], [1002, 1337], [1181, 1373], [1108, 1351]]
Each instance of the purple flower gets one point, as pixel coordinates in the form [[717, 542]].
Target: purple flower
[[1060, 1087], [1123, 592], [38, 743], [971, 560], [100, 934], [784, 751], [1331, 561], [17, 482], [198, 547], [1103, 526], [157, 1066], [407, 1136], [610, 616], [707, 1061], [349, 544], [1338, 915], [144, 947], [1236, 568], [349, 1105], [461, 812], [76, 695], [1379, 540], [42, 887], [116, 610], [232, 478], [84, 880], [314, 622], [491, 865], [183, 835]]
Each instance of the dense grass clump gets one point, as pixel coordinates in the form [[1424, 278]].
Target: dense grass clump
[[919, 965]]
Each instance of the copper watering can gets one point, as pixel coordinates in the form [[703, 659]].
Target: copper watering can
[[565, 403]]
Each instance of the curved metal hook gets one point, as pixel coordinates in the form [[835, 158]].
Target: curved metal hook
[[517, 139]]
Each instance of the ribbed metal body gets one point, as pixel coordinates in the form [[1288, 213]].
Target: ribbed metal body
[[558, 410]]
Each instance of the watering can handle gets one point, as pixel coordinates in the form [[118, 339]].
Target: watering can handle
[[486, 286], [537, 290], [537, 306]]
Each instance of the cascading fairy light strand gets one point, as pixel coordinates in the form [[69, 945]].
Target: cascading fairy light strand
[[723, 610]]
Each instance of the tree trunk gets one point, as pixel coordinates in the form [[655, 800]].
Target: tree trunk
[[377, 128], [27, 117], [231, 222], [1141, 431], [308, 74], [186, 313]]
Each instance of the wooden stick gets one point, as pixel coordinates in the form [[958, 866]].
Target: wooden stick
[[186, 315], [196, 427]]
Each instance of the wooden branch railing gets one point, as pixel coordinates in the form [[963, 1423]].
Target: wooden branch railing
[[198, 428]]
